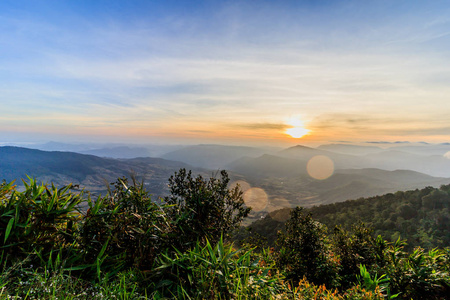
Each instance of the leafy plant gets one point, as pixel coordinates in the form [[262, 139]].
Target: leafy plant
[[203, 209], [212, 272], [37, 220], [375, 284], [124, 229], [304, 250], [355, 248]]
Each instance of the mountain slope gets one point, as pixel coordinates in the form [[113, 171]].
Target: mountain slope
[[420, 216], [88, 171], [350, 149], [212, 156]]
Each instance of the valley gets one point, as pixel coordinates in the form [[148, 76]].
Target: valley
[[271, 178]]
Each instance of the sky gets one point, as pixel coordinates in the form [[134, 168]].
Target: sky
[[227, 72]]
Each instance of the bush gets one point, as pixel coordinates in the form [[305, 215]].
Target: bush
[[124, 229], [215, 272], [37, 220], [354, 248], [418, 275], [304, 250], [203, 209]]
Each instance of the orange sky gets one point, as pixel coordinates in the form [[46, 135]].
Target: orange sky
[[229, 73]]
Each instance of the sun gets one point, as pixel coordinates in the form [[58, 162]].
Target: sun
[[298, 130]]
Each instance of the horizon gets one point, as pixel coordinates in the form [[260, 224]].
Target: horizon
[[228, 73], [382, 145]]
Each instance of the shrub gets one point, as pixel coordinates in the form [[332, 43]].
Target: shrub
[[203, 209], [305, 252], [124, 229], [37, 220], [215, 272], [418, 275], [356, 247]]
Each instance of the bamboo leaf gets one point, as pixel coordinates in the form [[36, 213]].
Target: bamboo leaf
[[8, 229]]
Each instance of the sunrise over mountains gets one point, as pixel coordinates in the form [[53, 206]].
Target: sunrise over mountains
[[235, 149]]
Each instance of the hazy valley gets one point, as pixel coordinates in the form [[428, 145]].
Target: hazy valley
[[271, 178]]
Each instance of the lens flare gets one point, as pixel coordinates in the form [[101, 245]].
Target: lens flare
[[320, 167], [256, 198], [277, 203], [243, 185]]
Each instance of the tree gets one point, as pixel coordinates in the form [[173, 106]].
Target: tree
[[203, 209], [357, 247], [304, 250]]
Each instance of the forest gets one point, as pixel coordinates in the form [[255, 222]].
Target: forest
[[420, 216], [62, 243]]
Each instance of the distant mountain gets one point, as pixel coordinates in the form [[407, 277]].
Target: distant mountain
[[89, 171], [283, 178], [268, 166], [387, 159], [426, 149], [353, 184], [112, 150], [436, 165], [119, 152], [57, 146], [350, 149], [288, 184], [212, 156], [304, 154], [289, 162]]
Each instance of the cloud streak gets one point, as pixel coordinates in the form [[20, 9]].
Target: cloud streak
[[228, 66]]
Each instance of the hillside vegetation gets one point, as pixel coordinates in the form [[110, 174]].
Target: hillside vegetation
[[422, 217], [128, 247]]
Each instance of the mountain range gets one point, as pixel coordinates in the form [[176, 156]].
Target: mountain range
[[359, 171], [91, 172]]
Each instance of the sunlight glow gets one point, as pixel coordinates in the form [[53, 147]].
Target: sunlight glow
[[298, 130]]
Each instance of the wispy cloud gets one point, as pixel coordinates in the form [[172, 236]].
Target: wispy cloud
[[353, 67]]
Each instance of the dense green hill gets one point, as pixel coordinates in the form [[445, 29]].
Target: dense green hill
[[420, 216]]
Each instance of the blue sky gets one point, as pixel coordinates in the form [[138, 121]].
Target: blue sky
[[231, 72]]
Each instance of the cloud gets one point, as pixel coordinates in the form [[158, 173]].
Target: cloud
[[389, 143], [261, 126], [234, 64]]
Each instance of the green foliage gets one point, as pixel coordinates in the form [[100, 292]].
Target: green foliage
[[422, 217], [375, 283], [128, 247], [419, 216], [124, 229], [418, 275], [39, 219], [304, 250], [212, 272], [203, 209], [354, 248]]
